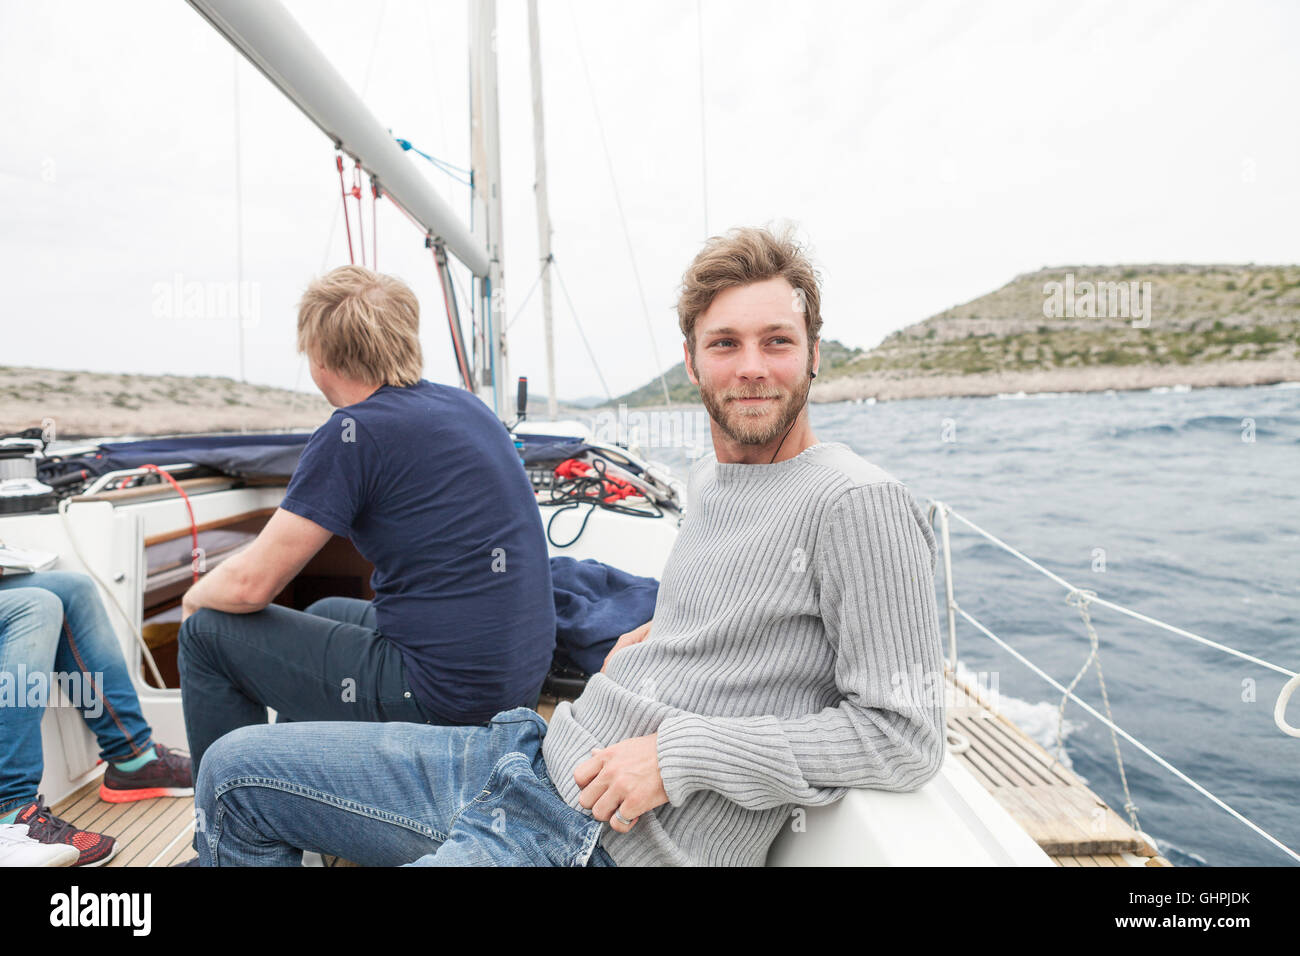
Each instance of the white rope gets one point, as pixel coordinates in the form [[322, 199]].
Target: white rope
[[1279, 709], [1080, 600], [957, 743], [1129, 737], [72, 539]]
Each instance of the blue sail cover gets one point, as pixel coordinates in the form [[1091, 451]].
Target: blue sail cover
[[243, 456]]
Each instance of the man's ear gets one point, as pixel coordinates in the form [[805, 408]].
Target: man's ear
[[690, 372], [817, 355]]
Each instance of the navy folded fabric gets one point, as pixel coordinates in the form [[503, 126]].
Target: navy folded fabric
[[594, 604], [244, 456]]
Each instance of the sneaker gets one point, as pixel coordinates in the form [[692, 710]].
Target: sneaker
[[93, 849], [168, 776], [19, 849]]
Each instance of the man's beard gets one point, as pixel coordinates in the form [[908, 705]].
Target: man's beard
[[746, 428]]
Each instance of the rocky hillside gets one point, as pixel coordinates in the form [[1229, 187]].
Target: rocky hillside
[[96, 404], [1084, 327], [101, 404]]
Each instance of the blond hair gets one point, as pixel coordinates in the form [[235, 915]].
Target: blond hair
[[363, 325], [746, 255]]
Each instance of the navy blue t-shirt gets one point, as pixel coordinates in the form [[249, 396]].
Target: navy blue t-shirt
[[427, 484]]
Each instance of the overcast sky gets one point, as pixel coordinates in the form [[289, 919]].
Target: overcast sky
[[929, 152]]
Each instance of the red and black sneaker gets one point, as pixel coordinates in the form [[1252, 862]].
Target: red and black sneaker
[[44, 826], [167, 776]]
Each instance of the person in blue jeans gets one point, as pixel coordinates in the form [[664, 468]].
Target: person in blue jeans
[[54, 629], [427, 484], [390, 796]]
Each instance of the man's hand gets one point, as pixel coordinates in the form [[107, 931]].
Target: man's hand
[[623, 778], [250, 578], [627, 640]]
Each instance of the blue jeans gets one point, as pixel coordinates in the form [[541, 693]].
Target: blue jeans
[[327, 663], [390, 794], [54, 621]]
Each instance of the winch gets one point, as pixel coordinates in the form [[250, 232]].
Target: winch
[[20, 490]]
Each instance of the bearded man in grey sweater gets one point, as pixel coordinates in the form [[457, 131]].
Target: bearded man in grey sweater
[[794, 634]]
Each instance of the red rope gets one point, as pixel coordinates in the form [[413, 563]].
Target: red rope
[[343, 191], [194, 528], [374, 224], [451, 324], [361, 223]]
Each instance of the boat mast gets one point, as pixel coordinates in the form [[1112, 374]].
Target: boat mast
[[490, 353], [543, 207]]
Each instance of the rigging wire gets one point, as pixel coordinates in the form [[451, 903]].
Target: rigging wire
[[434, 60], [458, 298], [461, 176], [455, 290], [365, 88], [453, 324], [574, 312], [704, 154], [239, 226], [618, 202], [531, 289]]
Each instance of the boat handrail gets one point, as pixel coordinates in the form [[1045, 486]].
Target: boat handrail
[[1081, 597]]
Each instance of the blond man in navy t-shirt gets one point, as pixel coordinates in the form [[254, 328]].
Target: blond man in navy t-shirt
[[427, 484]]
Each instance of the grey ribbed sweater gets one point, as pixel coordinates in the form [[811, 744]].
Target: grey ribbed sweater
[[795, 653]]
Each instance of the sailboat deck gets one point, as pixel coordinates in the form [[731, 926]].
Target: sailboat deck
[[1071, 823], [148, 832]]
